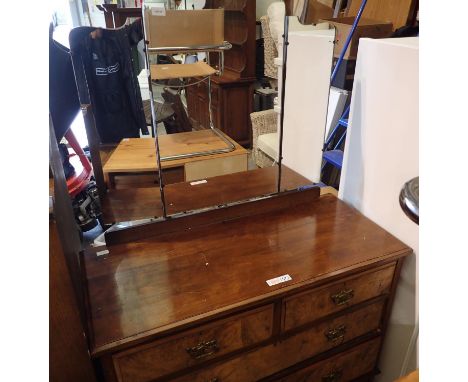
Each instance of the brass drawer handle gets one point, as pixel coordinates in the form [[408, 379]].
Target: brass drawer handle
[[334, 376], [203, 349], [336, 334], [342, 297]]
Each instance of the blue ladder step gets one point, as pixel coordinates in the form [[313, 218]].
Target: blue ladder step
[[334, 157], [343, 122]]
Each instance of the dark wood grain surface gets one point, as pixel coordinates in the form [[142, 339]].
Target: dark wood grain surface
[[350, 365], [148, 287], [141, 203], [68, 349]]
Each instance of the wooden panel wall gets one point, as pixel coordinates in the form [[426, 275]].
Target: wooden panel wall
[[398, 12]]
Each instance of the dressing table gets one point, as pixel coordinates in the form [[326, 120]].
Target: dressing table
[[292, 287], [255, 277]]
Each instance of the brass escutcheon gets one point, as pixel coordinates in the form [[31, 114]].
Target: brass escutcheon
[[336, 334], [333, 376], [342, 297], [203, 349]]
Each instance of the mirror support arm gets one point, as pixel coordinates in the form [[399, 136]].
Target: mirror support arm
[[283, 92], [93, 141]]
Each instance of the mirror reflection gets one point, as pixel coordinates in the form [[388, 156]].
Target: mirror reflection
[[212, 101]]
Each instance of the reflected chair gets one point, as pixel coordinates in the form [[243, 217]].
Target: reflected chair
[[181, 122], [270, 51], [264, 137]]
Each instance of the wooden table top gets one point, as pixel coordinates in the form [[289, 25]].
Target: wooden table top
[[140, 203], [146, 288], [139, 154]]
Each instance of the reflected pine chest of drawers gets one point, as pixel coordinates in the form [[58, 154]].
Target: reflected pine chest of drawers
[[296, 287]]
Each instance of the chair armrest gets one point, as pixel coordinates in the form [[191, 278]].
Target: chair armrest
[[263, 122]]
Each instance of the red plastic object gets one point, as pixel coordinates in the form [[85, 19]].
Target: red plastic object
[[83, 169]]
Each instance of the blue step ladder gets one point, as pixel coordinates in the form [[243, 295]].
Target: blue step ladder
[[333, 153]]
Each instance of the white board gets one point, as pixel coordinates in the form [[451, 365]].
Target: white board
[[336, 104], [381, 154], [309, 65]]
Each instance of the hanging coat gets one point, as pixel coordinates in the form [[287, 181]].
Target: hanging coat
[[103, 65]]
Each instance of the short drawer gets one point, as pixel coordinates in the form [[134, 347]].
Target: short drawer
[[300, 347], [144, 180], [154, 360], [357, 362], [312, 305], [215, 167]]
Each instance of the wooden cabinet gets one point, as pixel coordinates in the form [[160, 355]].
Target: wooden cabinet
[[232, 93], [192, 302], [232, 103]]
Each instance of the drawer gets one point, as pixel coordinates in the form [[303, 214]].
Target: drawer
[[151, 361], [347, 366], [215, 167], [144, 180], [274, 358], [312, 305]]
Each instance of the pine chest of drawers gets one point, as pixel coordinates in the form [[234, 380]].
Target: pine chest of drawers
[[191, 301]]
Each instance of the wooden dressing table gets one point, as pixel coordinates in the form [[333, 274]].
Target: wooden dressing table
[[187, 299], [292, 287]]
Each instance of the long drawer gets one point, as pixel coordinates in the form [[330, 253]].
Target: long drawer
[[151, 361], [346, 366], [274, 358], [311, 305]]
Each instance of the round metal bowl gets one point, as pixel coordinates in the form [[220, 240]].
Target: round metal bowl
[[409, 199]]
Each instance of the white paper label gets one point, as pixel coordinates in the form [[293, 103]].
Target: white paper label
[[198, 182], [158, 10], [278, 280]]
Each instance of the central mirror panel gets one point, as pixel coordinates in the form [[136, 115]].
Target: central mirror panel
[[212, 53], [219, 168]]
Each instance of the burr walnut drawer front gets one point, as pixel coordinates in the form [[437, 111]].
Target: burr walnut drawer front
[[193, 347], [312, 305], [346, 366], [272, 359]]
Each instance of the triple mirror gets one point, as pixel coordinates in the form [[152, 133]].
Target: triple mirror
[[209, 124]]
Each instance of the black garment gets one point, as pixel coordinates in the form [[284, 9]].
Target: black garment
[[105, 78], [406, 31], [63, 95], [68, 168]]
